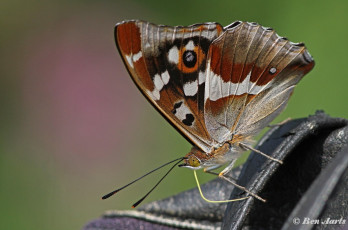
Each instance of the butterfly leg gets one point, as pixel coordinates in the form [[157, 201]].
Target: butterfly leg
[[247, 147], [223, 173], [209, 170], [242, 188]]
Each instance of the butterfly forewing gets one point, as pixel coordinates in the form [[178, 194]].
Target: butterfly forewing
[[168, 65], [251, 73]]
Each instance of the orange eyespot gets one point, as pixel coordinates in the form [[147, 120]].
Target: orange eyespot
[[193, 161], [190, 60]]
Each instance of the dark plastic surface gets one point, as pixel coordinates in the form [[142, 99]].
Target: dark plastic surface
[[312, 183]]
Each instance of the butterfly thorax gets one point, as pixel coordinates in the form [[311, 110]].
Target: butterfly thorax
[[197, 159]]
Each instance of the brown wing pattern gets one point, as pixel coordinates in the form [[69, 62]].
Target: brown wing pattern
[[251, 73], [168, 65]]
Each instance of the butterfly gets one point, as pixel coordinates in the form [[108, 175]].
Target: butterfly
[[218, 86]]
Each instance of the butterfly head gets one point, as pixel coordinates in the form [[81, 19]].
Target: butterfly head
[[196, 159]]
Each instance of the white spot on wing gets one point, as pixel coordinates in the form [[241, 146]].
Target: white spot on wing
[[165, 77], [129, 60], [173, 55], [182, 111], [155, 94], [215, 90], [137, 56], [207, 84], [190, 45], [158, 82], [220, 89], [243, 86], [191, 88], [201, 77]]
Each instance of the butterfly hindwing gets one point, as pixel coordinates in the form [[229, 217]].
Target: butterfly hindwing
[[251, 73], [168, 65]]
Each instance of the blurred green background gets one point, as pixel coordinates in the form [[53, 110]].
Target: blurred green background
[[73, 125]]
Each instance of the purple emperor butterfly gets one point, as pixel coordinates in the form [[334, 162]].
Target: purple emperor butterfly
[[218, 86]]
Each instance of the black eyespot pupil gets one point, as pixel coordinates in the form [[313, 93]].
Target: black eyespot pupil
[[190, 58]]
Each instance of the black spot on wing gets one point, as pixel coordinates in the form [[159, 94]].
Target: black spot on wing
[[176, 106], [189, 119]]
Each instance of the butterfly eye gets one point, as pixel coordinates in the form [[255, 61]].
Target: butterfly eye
[[189, 58], [194, 161]]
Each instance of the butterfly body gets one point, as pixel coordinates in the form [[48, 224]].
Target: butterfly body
[[218, 86]]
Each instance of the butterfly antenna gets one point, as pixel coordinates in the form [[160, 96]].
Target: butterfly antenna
[[123, 187], [143, 198]]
